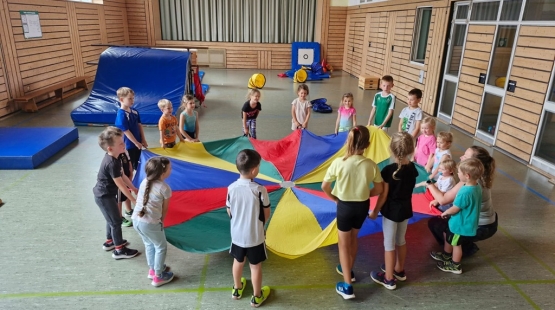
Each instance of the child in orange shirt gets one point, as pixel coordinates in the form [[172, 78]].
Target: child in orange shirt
[[167, 124]]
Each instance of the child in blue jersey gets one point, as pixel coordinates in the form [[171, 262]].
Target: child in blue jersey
[[129, 121], [353, 175], [248, 206], [383, 105], [464, 216], [395, 205], [188, 120]]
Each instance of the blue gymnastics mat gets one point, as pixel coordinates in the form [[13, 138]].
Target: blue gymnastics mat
[[153, 74], [28, 147]]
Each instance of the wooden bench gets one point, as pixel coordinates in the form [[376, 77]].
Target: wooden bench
[[28, 102]]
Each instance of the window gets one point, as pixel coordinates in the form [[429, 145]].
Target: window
[[270, 21], [539, 10], [462, 11], [511, 10], [485, 11], [421, 30], [546, 143]]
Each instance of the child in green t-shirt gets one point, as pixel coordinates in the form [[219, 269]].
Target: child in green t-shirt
[[464, 214], [383, 105]]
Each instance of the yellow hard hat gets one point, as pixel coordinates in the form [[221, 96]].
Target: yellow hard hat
[[300, 76], [257, 80]]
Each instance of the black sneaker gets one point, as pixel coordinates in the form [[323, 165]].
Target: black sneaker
[[109, 246], [450, 266], [124, 253], [128, 213], [401, 276], [441, 256]]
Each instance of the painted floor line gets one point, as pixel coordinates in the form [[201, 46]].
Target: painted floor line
[[515, 287], [277, 287], [201, 288], [537, 259], [17, 181]]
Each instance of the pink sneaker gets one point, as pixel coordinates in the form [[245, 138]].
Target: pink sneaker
[[152, 273], [164, 278]]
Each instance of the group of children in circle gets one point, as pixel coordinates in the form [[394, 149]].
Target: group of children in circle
[[394, 184]]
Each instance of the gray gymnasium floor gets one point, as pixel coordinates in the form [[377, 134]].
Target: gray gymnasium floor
[[51, 230]]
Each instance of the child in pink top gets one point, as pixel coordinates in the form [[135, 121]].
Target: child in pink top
[[347, 114], [426, 142]]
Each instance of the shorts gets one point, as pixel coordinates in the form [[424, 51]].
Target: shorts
[[455, 239], [351, 214], [134, 155], [256, 254], [169, 145], [191, 134]]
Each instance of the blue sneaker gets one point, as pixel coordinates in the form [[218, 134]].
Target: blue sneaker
[[340, 271], [379, 277], [345, 290], [401, 276]]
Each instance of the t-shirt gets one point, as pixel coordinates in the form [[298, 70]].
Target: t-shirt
[[425, 145], [301, 111], [465, 222], [129, 121], [398, 205], [438, 154], [252, 113], [353, 177], [383, 104], [125, 161], [189, 121], [246, 200], [487, 214], [408, 118], [110, 168], [159, 191], [346, 118], [167, 126], [445, 183]]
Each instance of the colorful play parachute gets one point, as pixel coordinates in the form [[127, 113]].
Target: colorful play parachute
[[303, 218]]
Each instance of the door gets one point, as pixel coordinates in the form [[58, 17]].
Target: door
[[506, 15], [453, 62]]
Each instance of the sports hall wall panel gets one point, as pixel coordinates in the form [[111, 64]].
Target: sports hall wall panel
[[69, 29], [532, 67], [379, 39]]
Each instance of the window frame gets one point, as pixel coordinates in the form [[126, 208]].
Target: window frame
[[417, 33], [548, 106]]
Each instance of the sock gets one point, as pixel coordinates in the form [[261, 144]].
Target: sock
[[109, 241]]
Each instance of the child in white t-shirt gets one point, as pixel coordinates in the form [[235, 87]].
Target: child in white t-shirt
[[411, 116]]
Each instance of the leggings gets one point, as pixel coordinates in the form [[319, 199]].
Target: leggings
[[393, 233], [251, 125]]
